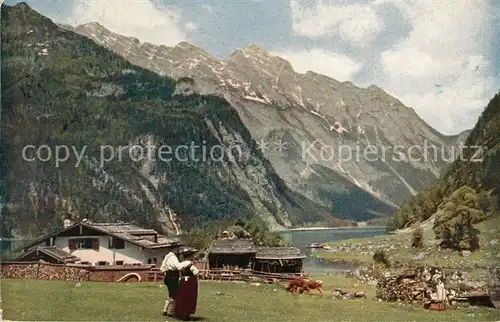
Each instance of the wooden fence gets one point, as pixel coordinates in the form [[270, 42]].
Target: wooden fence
[[234, 275]]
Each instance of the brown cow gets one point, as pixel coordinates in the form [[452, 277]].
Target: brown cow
[[302, 285], [295, 284]]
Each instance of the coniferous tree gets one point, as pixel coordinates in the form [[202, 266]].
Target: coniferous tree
[[455, 220], [418, 238]]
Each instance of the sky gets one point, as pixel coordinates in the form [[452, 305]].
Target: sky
[[441, 58]]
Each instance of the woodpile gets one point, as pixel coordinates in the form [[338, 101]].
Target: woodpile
[[342, 295], [63, 273], [422, 284], [69, 272], [45, 272], [19, 271], [418, 285]]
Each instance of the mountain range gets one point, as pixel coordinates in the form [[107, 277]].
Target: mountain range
[[323, 123], [86, 86]]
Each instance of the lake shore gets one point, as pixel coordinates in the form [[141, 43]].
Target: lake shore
[[399, 251], [333, 228]]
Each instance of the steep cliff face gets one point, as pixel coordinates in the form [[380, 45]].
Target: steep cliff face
[[357, 150], [478, 167], [85, 133]]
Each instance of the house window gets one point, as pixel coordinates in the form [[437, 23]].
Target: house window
[[154, 260], [83, 243], [119, 263], [149, 260], [116, 243], [101, 263]]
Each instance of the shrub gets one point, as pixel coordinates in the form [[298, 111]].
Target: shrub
[[381, 257], [417, 239]]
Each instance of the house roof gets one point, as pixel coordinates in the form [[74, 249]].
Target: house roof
[[54, 252], [134, 234], [126, 231], [265, 252], [232, 246]]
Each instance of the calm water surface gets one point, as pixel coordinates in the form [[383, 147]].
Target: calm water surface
[[304, 238]]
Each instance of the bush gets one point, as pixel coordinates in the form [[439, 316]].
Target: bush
[[417, 239], [380, 257]]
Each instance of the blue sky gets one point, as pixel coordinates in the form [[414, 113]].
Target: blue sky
[[441, 58]]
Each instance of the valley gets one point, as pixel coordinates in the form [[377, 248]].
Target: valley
[[130, 149], [295, 134]]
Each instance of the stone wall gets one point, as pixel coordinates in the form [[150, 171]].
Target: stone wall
[[48, 271]]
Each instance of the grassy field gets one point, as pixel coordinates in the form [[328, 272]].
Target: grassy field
[[398, 248], [218, 301]]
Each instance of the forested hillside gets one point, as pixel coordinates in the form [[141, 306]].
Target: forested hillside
[[478, 168], [62, 89]]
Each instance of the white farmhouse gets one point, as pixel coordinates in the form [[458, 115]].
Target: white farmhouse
[[100, 244]]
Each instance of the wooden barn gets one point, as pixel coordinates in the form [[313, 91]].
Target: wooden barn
[[230, 254], [278, 260]]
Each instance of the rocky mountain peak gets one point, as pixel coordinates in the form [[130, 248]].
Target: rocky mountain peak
[[190, 50], [255, 56], [254, 48], [375, 88], [185, 45], [90, 27], [23, 6], [93, 25]]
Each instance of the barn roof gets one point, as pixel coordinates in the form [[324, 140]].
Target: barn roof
[[232, 246], [53, 252], [266, 252]]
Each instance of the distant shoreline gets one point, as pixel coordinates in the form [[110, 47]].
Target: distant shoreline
[[333, 228]]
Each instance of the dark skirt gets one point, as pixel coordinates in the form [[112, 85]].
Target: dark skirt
[[187, 297], [171, 280]]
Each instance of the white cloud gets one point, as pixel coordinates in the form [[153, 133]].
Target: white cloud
[[191, 26], [335, 65], [441, 69], [417, 64], [146, 20], [358, 24], [207, 8]]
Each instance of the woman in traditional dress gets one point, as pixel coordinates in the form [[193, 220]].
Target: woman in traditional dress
[[171, 267], [186, 297]]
